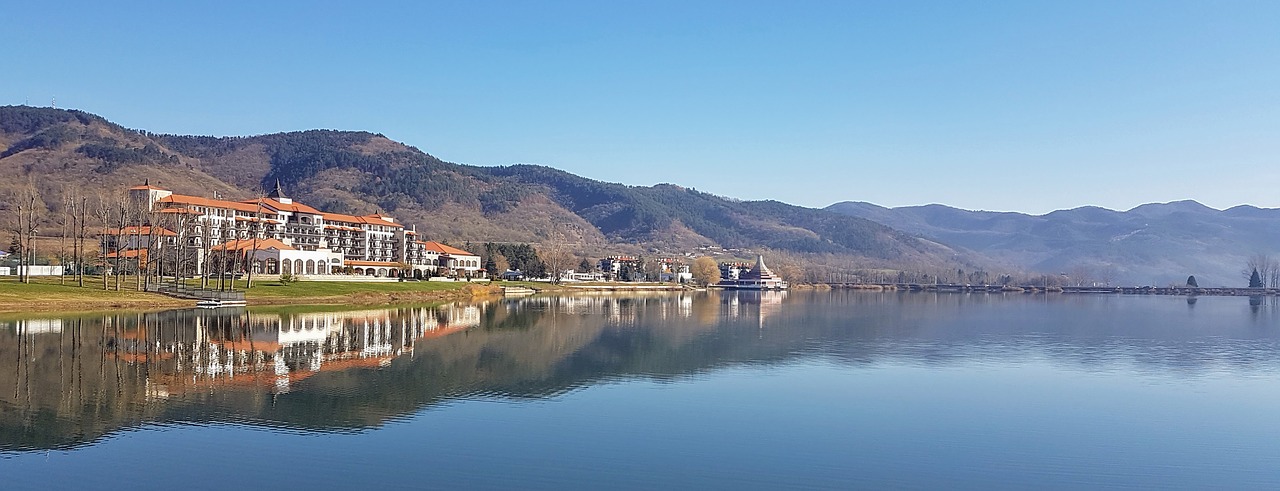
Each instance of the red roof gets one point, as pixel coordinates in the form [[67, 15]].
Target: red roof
[[248, 244], [183, 199], [294, 207], [444, 249], [370, 219]]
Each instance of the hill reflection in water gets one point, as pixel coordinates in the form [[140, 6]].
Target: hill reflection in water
[[70, 381]]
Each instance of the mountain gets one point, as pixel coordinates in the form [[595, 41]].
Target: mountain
[[55, 150], [1155, 244]]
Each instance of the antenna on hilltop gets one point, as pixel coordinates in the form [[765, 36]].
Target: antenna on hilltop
[[54, 102]]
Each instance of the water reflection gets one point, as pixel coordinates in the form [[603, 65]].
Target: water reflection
[[72, 380]]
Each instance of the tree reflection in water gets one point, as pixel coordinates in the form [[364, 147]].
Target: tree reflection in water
[[72, 380]]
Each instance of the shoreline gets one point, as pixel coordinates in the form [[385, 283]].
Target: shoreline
[[44, 296]]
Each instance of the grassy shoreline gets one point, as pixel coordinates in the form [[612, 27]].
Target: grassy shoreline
[[44, 295], [47, 295]]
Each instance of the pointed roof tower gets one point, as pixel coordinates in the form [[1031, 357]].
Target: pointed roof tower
[[759, 271], [278, 194]]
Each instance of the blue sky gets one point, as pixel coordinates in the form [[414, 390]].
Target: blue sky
[[1024, 106]]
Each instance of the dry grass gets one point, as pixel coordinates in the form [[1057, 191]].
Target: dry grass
[[46, 295]]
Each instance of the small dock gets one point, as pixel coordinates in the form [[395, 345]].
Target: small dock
[[205, 298], [518, 290]]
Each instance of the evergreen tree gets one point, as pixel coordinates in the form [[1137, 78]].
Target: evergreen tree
[[1191, 281], [1255, 280]]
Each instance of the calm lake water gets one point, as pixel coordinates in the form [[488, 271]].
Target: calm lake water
[[707, 390]]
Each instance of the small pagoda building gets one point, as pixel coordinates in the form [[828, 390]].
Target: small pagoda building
[[757, 278]]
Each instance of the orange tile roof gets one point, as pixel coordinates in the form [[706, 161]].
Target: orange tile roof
[[248, 244], [129, 253], [183, 199], [294, 207], [444, 249], [371, 219]]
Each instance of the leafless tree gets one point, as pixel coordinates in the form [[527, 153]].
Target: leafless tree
[[21, 231], [103, 213], [206, 245], [1263, 264], [1080, 275], [121, 221], [139, 210], [257, 225], [557, 258], [65, 223], [154, 248], [83, 237]]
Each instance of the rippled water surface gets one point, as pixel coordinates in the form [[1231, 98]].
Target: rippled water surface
[[701, 390]]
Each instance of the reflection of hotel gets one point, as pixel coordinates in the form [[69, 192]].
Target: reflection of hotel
[[276, 351], [34, 326]]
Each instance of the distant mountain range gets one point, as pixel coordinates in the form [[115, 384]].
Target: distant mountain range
[[361, 172], [1153, 244]]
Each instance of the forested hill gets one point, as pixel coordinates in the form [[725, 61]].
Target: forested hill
[[360, 172]]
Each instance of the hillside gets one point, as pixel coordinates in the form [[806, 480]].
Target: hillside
[[57, 150], [1154, 244]]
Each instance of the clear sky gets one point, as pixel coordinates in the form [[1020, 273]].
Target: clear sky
[[1021, 105]]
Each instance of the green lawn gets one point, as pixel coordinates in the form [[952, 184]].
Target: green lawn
[[45, 287]]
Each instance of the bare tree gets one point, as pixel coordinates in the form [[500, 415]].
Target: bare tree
[[154, 249], [1260, 262], [31, 235], [26, 235], [103, 214], [181, 222], [1080, 275], [21, 231], [122, 221], [557, 258], [82, 237], [138, 207], [64, 219], [257, 225], [206, 248]]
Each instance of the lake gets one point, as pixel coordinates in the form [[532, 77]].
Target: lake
[[804, 389]]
